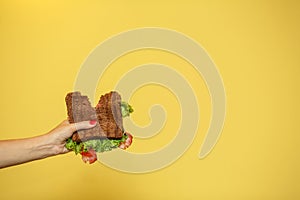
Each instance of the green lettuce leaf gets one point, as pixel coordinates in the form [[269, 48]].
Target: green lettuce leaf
[[99, 145], [126, 109]]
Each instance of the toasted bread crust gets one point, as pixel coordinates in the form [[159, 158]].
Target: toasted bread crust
[[107, 113]]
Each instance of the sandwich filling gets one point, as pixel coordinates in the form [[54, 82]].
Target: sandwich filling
[[108, 134]]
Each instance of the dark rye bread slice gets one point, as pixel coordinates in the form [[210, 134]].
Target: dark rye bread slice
[[107, 113]]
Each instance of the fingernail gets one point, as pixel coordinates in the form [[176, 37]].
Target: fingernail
[[93, 122]]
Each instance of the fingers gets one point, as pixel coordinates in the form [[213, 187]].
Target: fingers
[[82, 125], [65, 122], [65, 150]]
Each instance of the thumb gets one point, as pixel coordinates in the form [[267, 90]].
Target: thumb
[[82, 125]]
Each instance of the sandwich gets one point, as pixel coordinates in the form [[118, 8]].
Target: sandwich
[[108, 133]]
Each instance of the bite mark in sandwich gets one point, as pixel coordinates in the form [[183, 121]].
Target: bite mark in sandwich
[[109, 132]]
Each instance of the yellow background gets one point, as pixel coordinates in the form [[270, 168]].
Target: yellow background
[[256, 48]]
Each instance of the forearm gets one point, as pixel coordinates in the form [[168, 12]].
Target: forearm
[[13, 152], [19, 151]]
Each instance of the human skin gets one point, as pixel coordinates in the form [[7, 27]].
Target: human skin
[[18, 151]]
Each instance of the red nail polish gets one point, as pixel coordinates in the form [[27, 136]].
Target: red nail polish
[[93, 122]]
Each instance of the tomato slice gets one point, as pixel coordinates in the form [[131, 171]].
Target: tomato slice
[[128, 140], [90, 156], [127, 143]]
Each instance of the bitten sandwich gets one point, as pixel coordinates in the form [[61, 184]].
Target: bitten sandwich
[[108, 133]]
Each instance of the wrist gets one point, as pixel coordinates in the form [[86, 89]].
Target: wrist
[[44, 146]]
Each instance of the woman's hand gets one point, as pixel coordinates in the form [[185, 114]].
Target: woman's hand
[[18, 151], [58, 136]]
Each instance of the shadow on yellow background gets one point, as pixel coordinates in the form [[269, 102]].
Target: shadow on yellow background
[[256, 48]]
